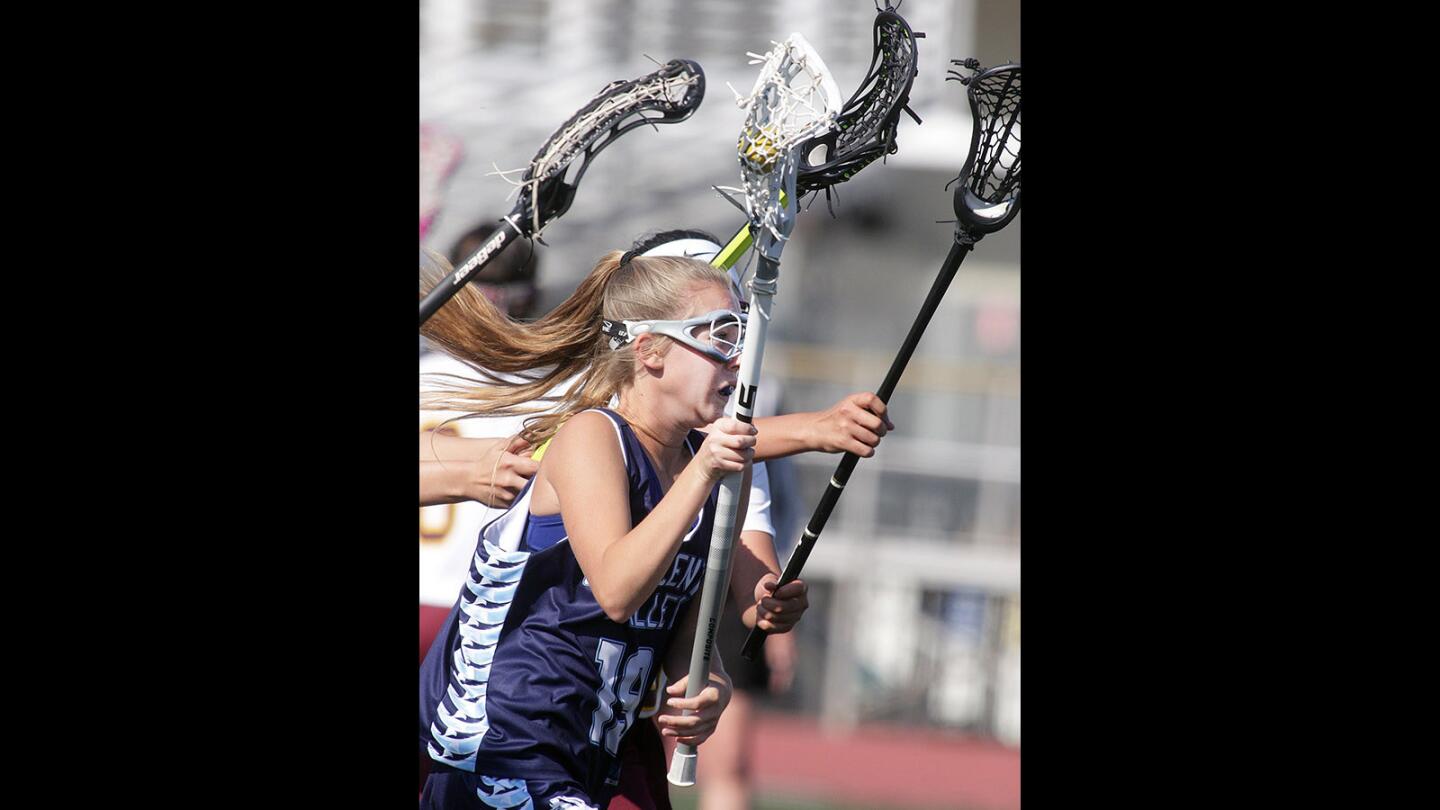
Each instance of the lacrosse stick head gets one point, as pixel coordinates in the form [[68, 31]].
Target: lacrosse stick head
[[795, 99], [667, 96], [988, 196], [867, 122]]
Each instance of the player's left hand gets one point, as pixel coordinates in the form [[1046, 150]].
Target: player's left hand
[[778, 610], [695, 728]]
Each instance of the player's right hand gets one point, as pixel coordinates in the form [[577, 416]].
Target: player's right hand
[[727, 446], [497, 477], [855, 424], [693, 729], [778, 609]]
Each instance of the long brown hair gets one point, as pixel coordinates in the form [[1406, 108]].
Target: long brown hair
[[518, 363]]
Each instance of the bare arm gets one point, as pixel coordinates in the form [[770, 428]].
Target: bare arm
[[624, 564], [441, 446], [754, 570], [753, 575], [455, 469], [442, 482], [855, 424], [754, 558]]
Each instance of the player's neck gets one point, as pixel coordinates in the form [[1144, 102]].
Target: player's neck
[[664, 442]]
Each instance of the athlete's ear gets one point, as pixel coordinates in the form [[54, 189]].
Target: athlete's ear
[[650, 353]]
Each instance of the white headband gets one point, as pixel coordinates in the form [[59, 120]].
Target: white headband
[[689, 248], [702, 249]]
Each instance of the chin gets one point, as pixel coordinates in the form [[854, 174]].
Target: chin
[[711, 412]]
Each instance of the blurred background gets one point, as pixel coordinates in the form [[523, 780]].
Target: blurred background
[[907, 687]]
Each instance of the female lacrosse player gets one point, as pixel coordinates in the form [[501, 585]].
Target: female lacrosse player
[[495, 470], [856, 423], [589, 580]]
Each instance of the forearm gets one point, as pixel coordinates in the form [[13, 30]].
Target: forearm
[[754, 556], [446, 447], [442, 482], [784, 435], [754, 559]]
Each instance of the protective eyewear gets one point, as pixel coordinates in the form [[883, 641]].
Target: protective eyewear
[[719, 335]]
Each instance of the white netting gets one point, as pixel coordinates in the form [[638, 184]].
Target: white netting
[[795, 98]]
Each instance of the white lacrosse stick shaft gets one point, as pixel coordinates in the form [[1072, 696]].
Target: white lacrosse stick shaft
[[727, 512], [775, 134]]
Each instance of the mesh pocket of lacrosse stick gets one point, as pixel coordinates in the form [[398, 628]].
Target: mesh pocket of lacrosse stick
[[868, 121], [667, 96], [989, 193]]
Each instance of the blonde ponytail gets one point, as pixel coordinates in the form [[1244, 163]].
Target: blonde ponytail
[[518, 363]]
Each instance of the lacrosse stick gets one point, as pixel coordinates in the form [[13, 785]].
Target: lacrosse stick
[[986, 200], [667, 96], [794, 99], [866, 123]]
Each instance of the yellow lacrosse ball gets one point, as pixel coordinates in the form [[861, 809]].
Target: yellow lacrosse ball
[[760, 151]]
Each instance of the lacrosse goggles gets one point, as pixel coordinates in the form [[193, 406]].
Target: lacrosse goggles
[[719, 334]]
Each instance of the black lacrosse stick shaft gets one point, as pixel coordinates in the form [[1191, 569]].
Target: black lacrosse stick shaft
[[964, 243], [505, 236]]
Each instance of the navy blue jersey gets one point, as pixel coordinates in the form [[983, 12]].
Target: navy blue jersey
[[530, 679]]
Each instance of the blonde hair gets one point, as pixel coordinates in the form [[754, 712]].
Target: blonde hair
[[520, 362]]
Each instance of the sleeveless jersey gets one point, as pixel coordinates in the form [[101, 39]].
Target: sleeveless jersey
[[530, 678]]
